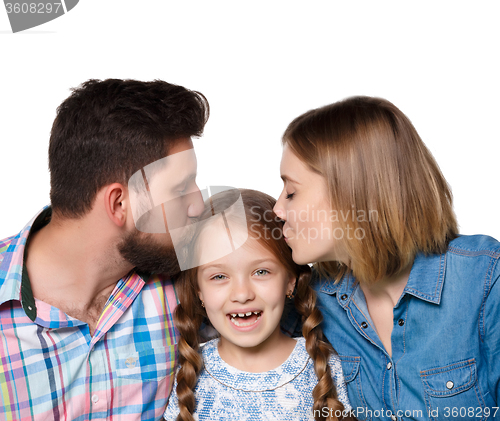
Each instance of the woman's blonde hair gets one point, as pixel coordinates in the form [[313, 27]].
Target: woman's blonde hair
[[386, 189], [266, 227]]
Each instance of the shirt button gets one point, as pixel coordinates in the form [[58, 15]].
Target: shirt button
[[389, 365], [364, 325], [401, 322], [95, 398], [394, 418], [449, 384], [343, 297], [131, 362]]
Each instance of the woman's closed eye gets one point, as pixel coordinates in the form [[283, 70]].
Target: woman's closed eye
[[289, 195]]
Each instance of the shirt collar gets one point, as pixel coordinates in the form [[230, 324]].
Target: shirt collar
[[427, 277], [15, 283], [425, 281], [236, 379], [11, 266]]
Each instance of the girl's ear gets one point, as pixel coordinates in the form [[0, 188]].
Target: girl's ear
[[290, 286], [200, 295]]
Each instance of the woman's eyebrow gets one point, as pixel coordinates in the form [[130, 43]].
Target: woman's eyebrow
[[286, 178]]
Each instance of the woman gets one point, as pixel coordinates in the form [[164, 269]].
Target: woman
[[410, 306]]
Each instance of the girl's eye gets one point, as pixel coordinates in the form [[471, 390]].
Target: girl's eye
[[289, 196], [261, 272], [218, 277]]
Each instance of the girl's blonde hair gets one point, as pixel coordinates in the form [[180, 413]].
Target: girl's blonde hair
[[264, 226], [386, 189]]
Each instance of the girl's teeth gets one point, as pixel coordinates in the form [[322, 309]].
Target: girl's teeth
[[242, 316], [245, 314]]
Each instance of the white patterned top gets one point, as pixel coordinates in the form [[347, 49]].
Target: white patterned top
[[283, 394]]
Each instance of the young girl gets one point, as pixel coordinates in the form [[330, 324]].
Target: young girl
[[252, 371]]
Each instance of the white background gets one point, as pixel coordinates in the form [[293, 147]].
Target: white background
[[261, 64]]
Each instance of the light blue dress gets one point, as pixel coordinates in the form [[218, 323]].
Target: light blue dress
[[285, 393]]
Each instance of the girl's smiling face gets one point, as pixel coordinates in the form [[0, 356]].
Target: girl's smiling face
[[244, 295]]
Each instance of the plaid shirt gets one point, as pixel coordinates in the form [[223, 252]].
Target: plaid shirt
[[52, 369]]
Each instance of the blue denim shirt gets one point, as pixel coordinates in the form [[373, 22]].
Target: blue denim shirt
[[445, 361]]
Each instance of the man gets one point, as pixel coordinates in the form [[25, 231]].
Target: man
[[86, 321]]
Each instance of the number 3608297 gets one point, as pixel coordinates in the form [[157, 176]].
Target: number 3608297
[[470, 412], [33, 8]]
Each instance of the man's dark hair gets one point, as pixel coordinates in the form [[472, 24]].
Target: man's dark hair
[[107, 130]]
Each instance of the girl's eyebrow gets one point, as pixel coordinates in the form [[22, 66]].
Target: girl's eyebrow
[[260, 261], [211, 266], [221, 266]]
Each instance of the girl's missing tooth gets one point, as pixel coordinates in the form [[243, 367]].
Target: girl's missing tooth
[[253, 370]]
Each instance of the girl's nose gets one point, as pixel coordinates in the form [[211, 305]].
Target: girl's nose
[[242, 291]]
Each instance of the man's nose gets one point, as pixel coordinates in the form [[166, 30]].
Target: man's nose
[[196, 206]]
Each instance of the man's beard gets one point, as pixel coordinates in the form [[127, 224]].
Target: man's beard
[[148, 255]]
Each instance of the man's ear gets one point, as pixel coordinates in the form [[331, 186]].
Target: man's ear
[[115, 202]]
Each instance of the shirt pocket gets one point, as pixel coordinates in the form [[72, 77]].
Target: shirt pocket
[[149, 365], [352, 377], [452, 392]]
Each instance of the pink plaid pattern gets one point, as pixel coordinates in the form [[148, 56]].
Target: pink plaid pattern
[[52, 369]]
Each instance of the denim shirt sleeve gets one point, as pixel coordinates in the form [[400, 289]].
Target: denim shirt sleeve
[[491, 331]]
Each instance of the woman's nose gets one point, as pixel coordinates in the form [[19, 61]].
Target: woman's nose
[[279, 209]]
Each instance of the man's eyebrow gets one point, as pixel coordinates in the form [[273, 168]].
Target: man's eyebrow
[[286, 178], [185, 180]]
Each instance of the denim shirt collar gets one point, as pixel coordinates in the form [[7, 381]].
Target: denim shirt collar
[[425, 281], [427, 277]]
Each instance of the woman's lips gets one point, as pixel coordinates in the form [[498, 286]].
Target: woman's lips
[[286, 232]]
